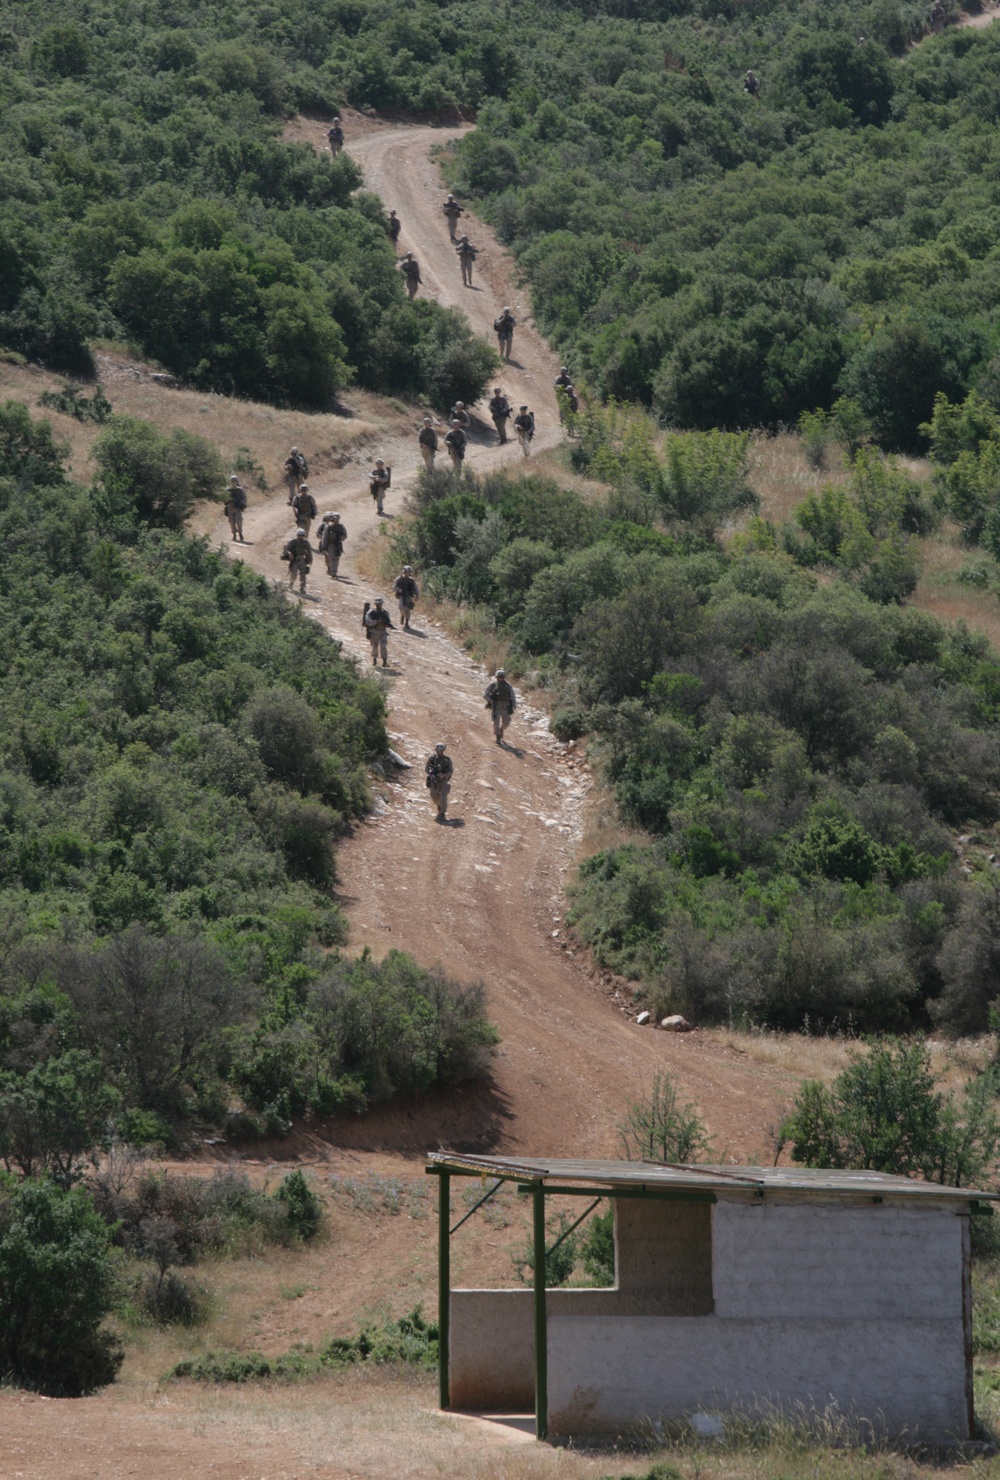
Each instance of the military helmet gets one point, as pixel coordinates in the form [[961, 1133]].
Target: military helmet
[[334, 516], [295, 449], [233, 478], [407, 569], [427, 419], [440, 745], [301, 532], [522, 408], [506, 308], [303, 488], [380, 462], [329, 516], [501, 673], [379, 600]]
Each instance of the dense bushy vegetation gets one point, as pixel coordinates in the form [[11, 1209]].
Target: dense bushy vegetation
[[56, 1287], [146, 193], [180, 751], [729, 260], [802, 752], [885, 1113], [734, 261]]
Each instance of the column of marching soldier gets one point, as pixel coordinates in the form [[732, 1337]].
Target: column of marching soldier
[[499, 694]]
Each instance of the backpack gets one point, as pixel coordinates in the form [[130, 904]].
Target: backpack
[[368, 607]]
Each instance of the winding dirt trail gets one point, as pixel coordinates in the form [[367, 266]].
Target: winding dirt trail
[[483, 896]]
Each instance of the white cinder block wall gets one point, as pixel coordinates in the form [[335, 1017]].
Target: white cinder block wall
[[838, 1261], [853, 1306]]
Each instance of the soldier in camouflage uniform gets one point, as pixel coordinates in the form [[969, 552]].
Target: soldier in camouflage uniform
[[236, 503], [407, 594], [298, 553], [501, 700], [452, 211], [467, 254], [377, 624], [332, 535], [304, 507], [439, 771], [428, 443]]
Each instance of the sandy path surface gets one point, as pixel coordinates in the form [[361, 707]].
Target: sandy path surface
[[483, 896]]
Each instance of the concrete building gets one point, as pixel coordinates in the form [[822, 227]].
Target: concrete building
[[808, 1290]]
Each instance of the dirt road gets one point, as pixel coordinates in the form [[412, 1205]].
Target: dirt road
[[483, 896]]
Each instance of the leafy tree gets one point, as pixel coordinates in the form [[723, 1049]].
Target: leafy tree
[[896, 375], [884, 1114], [29, 454], [847, 82], [151, 1008], [56, 1287], [54, 1115]]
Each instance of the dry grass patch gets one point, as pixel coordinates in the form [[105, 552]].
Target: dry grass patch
[[263, 432], [798, 1054], [782, 478], [940, 590]]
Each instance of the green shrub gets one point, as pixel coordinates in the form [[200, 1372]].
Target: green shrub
[[53, 1115], [303, 1209], [155, 479], [409, 1341], [56, 1287], [569, 724], [171, 1300], [661, 1127], [884, 1114], [560, 1255], [598, 1247]]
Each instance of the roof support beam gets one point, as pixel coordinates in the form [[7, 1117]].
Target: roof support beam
[[541, 1324], [444, 1284]]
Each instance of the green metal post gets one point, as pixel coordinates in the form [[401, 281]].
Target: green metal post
[[541, 1334], [444, 1282]]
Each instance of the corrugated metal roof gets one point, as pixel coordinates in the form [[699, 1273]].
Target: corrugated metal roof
[[702, 1178]]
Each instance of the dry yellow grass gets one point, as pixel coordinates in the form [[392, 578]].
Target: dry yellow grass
[[941, 592], [266, 432], [782, 478]]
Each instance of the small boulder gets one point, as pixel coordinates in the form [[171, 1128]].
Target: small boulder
[[642, 1018], [676, 1024]]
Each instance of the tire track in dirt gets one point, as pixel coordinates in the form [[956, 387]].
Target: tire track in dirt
[[483, 897]]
